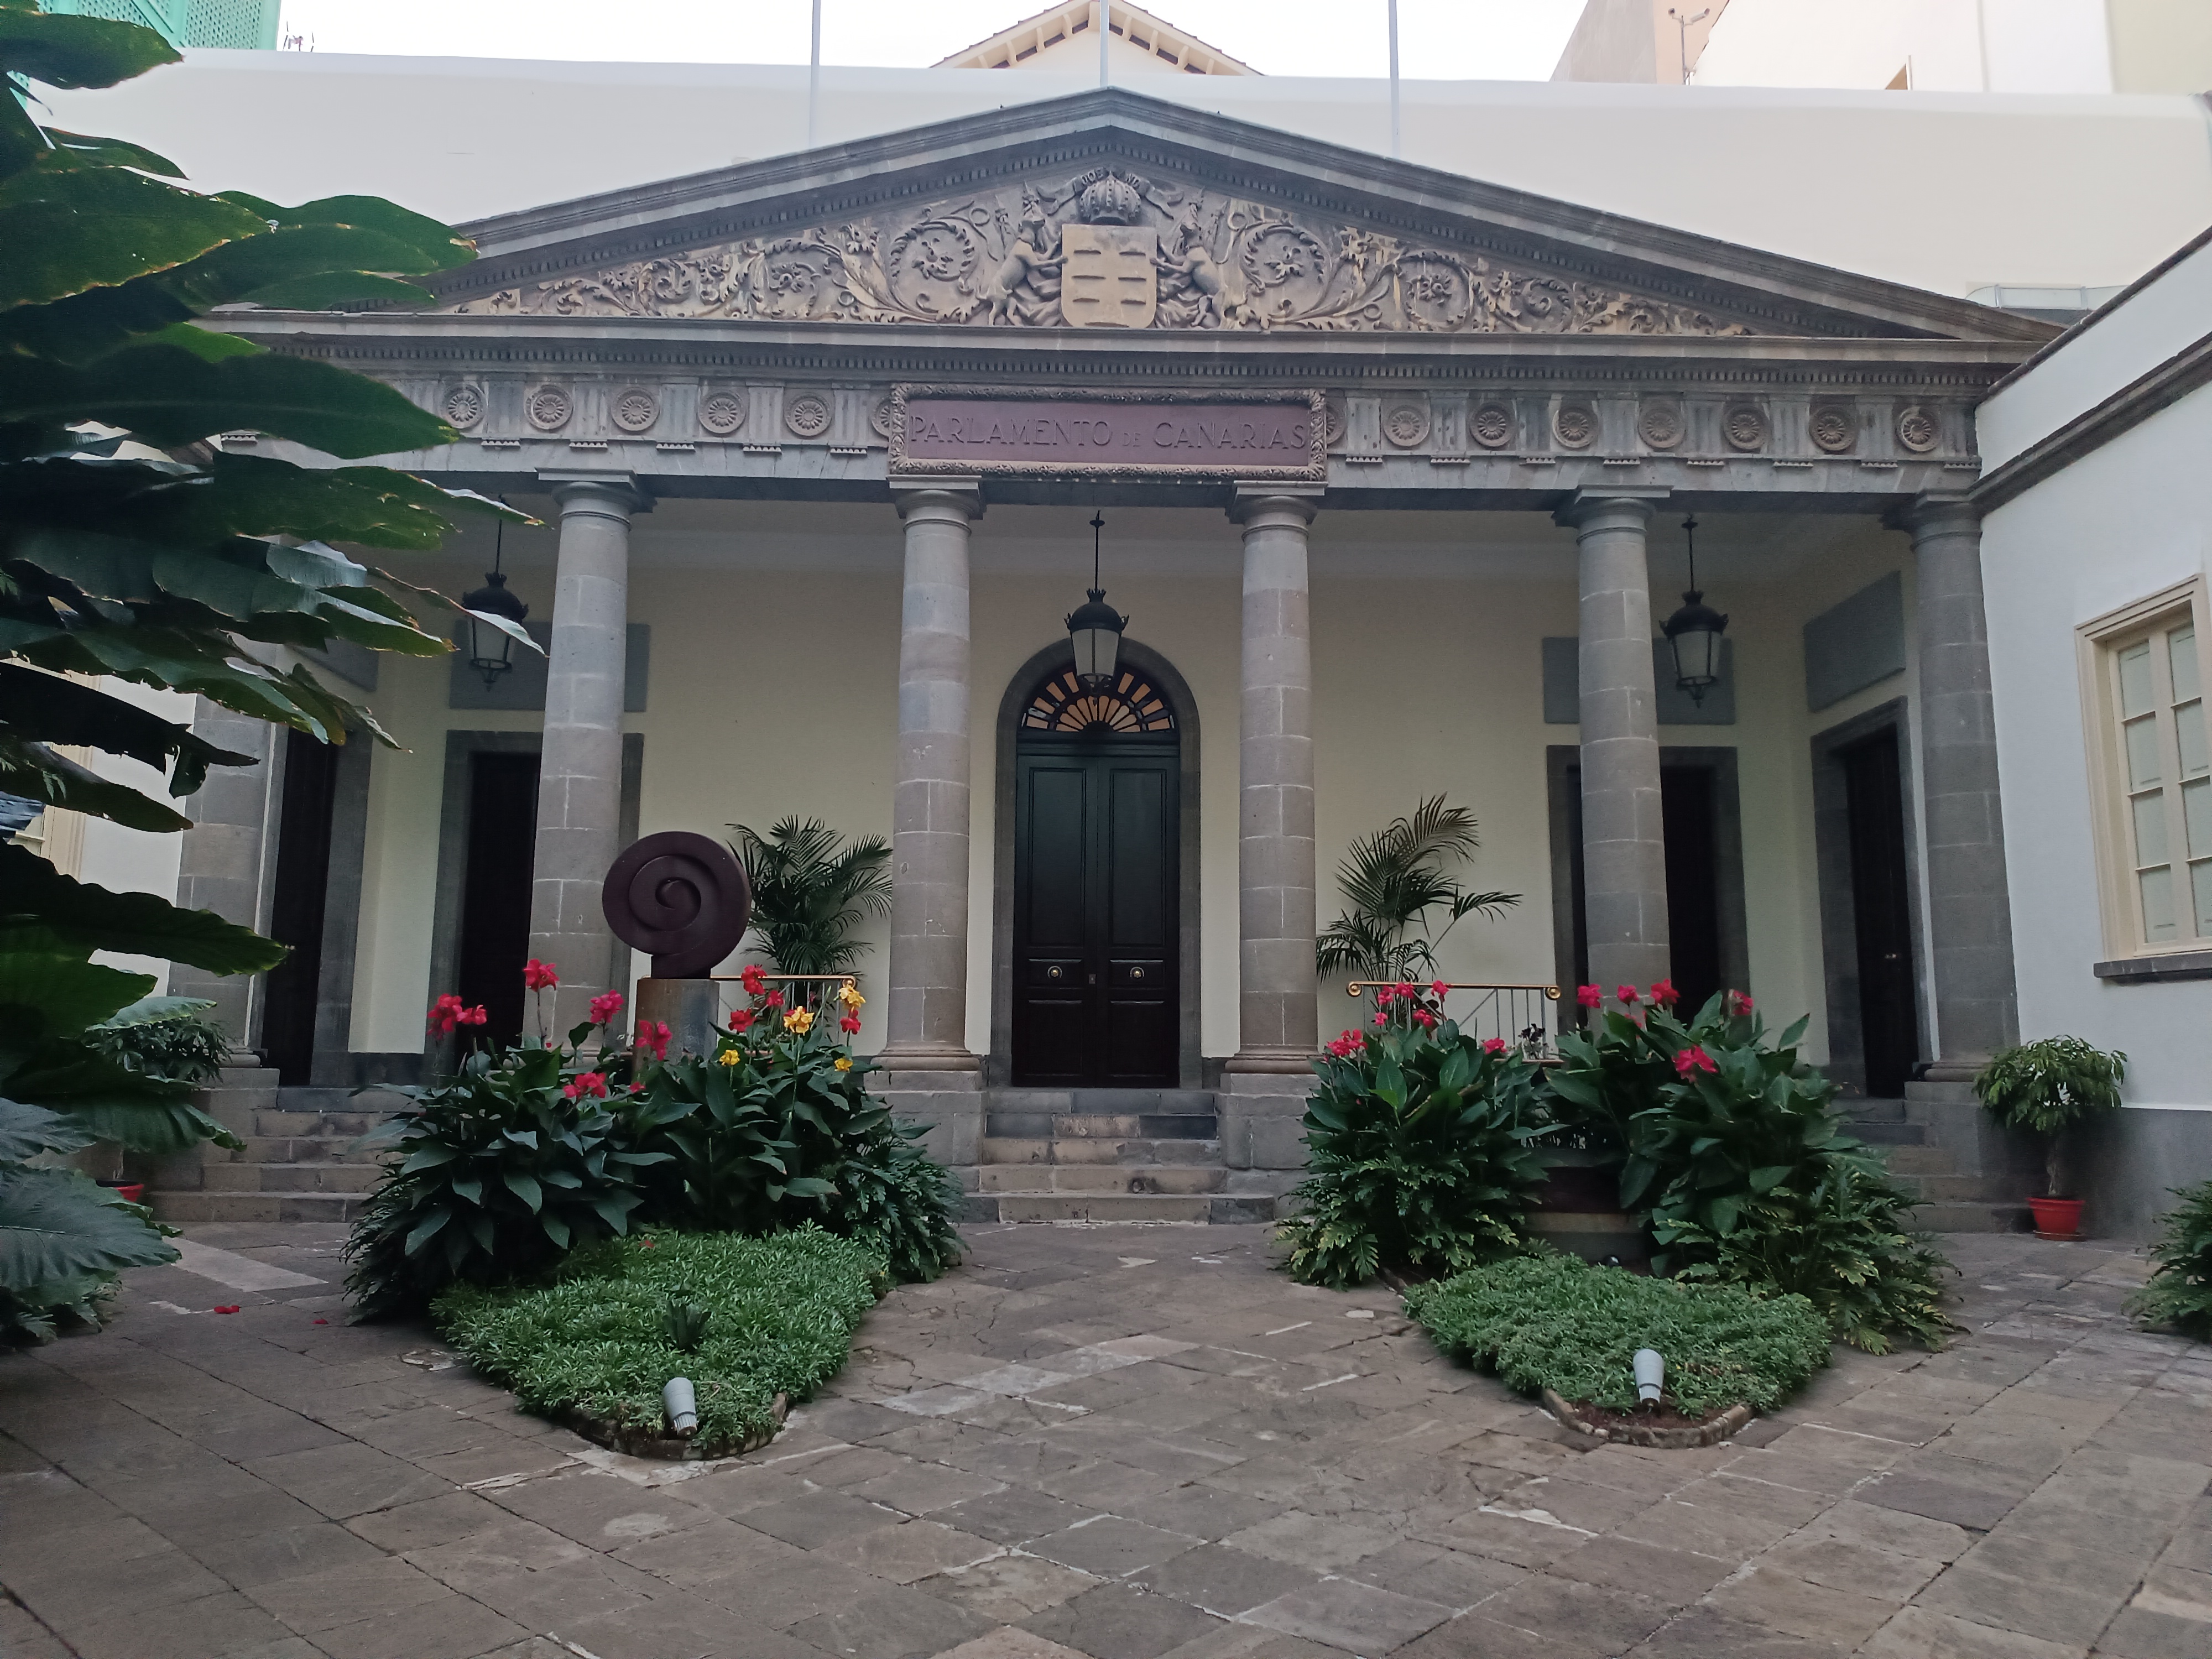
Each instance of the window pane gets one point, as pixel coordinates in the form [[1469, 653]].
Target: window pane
[[2188, 732], [2134, 679], [2143, 759], [2200, 877], [2181, 652], [2197, 808], [2149, 811], [2157, 904]]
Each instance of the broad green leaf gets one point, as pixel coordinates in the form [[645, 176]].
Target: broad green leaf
[[56, 1225], [525, 1187], [69, 230], [52, 709], [38, 773], [148, 1010], [1767, 1177], [91, 918], [77, 149], [339, 290], [26, 1130], [556, 1227], [37, 971], [427, 1229], [73, 52]]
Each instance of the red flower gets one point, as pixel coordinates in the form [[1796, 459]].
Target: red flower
[[605, 1006], [445, 1014], [755, 981], [741, 1018], [1407, 989], [1739, 1002], [1627, 995], [1437, 987], [1589, 996], [849, 1024], [1382, 1019], [322, 1322], [539, 976], [1347, 1044], [1384, 996], [232, 1307], [587, 1085], [1664, 995], [1424, 1020], [1693, 1060], [1493, 1045], [775, 998], [653, 1034], [475, 1016]]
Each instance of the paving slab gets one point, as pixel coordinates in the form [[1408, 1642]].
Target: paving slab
[[1150, 1446]]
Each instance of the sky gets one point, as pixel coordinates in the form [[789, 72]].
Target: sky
[[1438, 39]]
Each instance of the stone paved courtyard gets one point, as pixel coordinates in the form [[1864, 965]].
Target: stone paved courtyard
[[1124, 1442]]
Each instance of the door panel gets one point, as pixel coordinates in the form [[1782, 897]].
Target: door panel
[[1096, 914], [496, 889], [1881, 914]]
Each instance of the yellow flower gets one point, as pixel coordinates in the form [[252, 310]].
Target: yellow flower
[[799, 1020], [729, 1056], [844, 1062], [849, 994]]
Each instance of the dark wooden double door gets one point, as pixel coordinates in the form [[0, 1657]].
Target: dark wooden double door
[[1096, 914]]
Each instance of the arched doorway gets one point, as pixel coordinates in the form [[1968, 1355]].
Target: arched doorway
[[1093, 863]]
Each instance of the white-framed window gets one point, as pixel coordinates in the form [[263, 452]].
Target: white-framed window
[[2150, 748]]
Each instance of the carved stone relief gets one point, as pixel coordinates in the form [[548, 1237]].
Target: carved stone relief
[[634, 409], [1107, 248], [807, 415], [1575, 425], [1405, 422], [1744, 426], [1659, 422], [1492, 424], [722, 413], [463, 406], [547, 408], [1835, 427], [1917, 429]]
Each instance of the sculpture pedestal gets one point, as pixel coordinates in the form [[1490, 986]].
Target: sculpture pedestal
[[690, 1008]]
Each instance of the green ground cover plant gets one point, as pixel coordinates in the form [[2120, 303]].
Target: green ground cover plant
[[745, 1319], [1420, 1148], [2179, 1293], [1553, 1321]]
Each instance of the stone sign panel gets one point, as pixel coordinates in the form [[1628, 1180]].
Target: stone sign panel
[[1258, 437]]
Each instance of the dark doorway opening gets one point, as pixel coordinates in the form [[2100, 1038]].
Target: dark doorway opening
[[1881, 915], [1097, 997], [296, 906], [495, 888], [1705, 872]]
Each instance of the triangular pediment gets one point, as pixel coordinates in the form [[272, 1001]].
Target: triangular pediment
[[1111, 209]]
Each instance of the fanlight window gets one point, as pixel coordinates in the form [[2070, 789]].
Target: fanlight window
[[1127, 707]]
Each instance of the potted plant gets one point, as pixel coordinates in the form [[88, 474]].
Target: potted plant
[[2046, 1087]]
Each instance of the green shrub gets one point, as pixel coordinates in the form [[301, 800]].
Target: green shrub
[[499, 1171], [2047, 1086], [1418, 1149], [776, 1128], [1734, 1156], [1551, 1321], [779, 1317], [812, 892], [2180, 1293], [164, 1037]]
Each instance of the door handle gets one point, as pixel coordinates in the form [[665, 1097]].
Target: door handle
[[1090, 979], [1892, 956]]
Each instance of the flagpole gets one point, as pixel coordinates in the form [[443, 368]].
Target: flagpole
[[1397, 148], [814, 76], [1102, 32]]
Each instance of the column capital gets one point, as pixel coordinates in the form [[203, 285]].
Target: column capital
[[1624, 502], [1278, 503], [608, 493], [1940, 511], [943, 499]]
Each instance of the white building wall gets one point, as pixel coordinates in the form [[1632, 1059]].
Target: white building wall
[[1945, 46]]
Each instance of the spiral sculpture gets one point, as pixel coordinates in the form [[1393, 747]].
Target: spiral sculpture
[[681, 898]]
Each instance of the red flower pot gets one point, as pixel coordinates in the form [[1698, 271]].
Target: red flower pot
[[130, 1192], [2057, 1218]]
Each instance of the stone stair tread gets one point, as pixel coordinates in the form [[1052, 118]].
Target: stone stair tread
[[1964, 1216], [207, 1206], [1097, 1150], [1034, 1179], [1106, 1125]]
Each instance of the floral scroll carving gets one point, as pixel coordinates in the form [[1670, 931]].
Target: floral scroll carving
[[1000, 259]]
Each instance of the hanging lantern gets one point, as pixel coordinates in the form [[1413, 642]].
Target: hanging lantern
[[488, 647], [1095, 627], [1694, 632]]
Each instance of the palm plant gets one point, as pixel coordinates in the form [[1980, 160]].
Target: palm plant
[[810, 892], [1392, 881]]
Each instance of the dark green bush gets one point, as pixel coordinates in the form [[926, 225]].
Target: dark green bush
[[1418, 1149], [780, 1314], [2047, 1086], [2179, 1293], [1551, 1321], [164, 1037]]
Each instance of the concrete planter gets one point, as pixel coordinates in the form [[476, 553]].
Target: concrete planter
[[1577, 1209]]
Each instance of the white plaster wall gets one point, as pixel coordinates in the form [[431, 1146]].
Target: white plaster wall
[[2126, 521], [1952, 45], [125, 861], [1944, 191], [2120, 344], [774, 660]]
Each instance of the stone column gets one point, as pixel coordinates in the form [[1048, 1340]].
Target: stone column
[[580, 771], [1264, 1087], [933, 1074], [1624, 843], [1969, 910]]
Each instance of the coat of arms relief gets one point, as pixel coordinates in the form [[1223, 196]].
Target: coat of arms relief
[[1108, 249]]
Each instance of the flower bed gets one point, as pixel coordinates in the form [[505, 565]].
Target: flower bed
[[593, 1349]]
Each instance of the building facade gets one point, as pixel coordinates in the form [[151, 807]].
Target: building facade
[[1395, 470]]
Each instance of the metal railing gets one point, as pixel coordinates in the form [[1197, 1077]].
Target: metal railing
[[1524, 1016], [816, 988]]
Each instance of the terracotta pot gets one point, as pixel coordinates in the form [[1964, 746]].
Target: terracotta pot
[[130, 1192], [2057, 1218]]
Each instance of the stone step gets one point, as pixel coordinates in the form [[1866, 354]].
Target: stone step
[[1030, 1179], [1196, 1208], [1100, 1125], [311, 1149], [1086, 1149], [1870, 1109], [1905, 1158], [279, 1124], [1885, 1133], [1095, 1101], [1963, 1216], [178, 1207], [245, 1178]]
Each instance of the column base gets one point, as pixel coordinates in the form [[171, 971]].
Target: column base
[[1263, 1113], [690, 1008], [942, 1088]]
